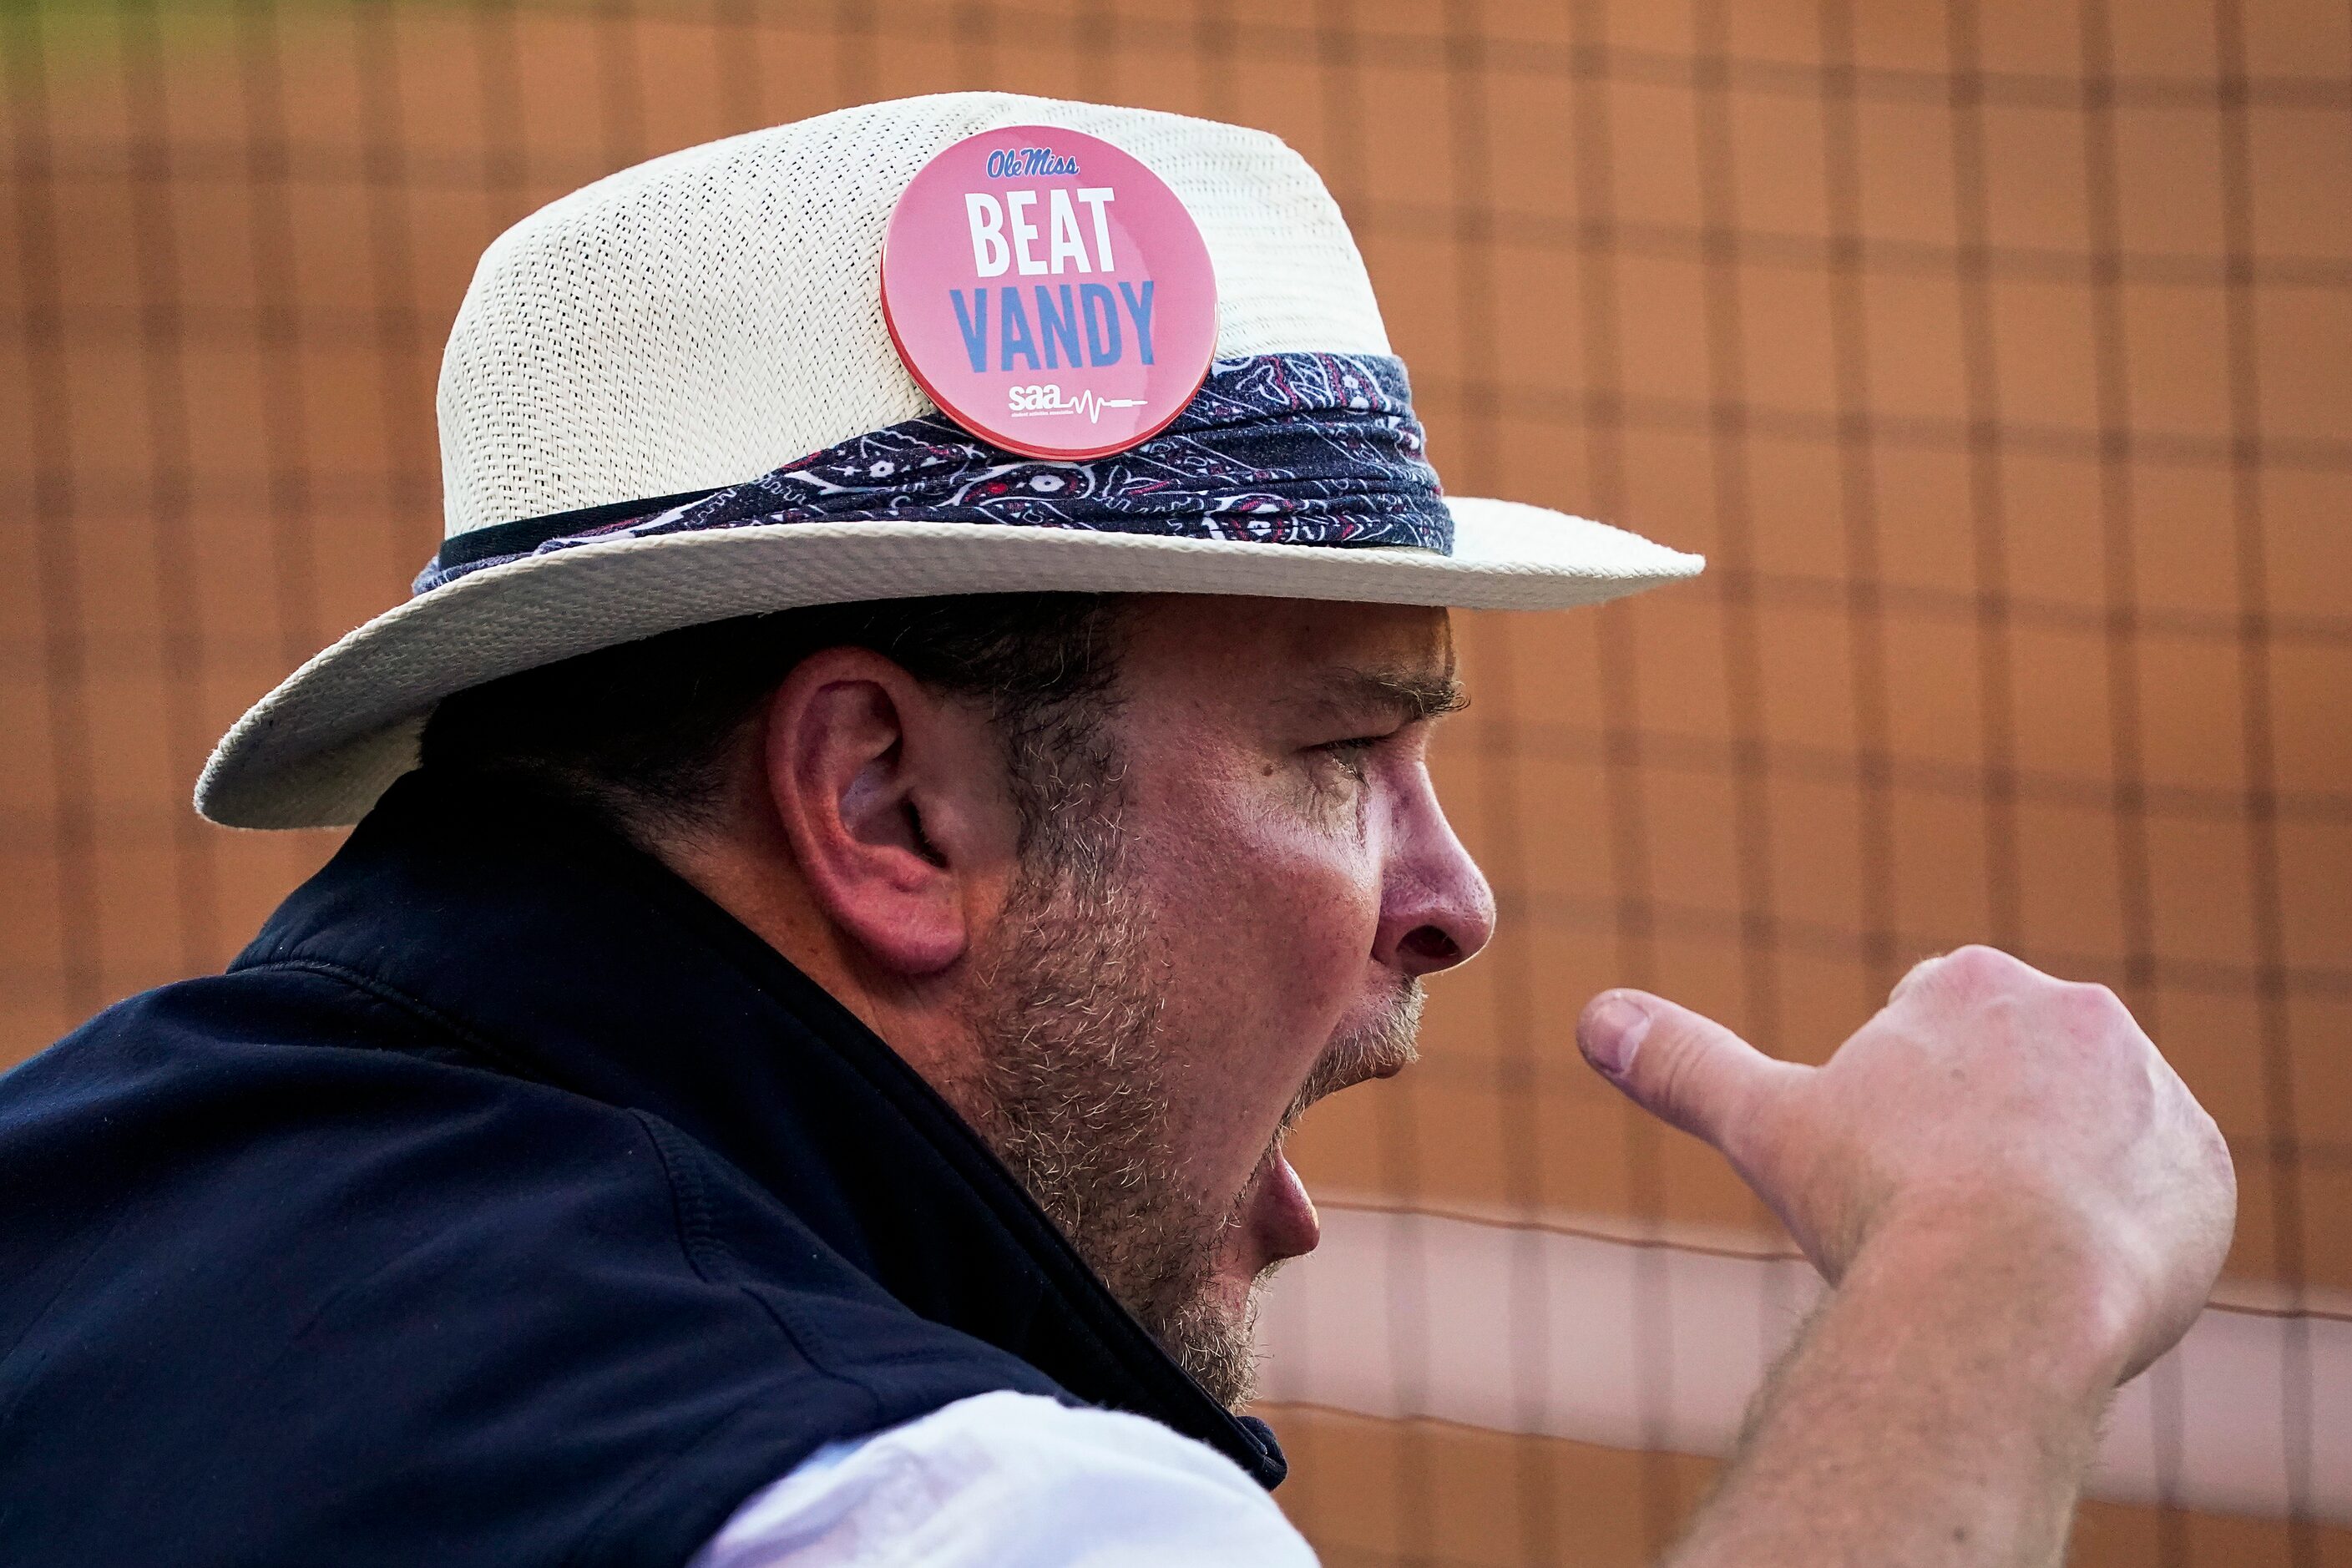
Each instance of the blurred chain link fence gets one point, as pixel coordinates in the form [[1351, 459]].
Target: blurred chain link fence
[[1999, 356]]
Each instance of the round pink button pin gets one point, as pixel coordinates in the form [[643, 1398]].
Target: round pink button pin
[[1050, 293]]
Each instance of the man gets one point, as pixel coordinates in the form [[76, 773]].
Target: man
[[792, 1067]]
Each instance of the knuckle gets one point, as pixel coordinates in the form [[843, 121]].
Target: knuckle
[[1679, 1077], [2216, 1142], [2092, 1012], [1916, 975], [1982, 965], [1972, 972], [2100, 998]]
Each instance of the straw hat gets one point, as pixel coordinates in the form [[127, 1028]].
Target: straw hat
[[694, 323]]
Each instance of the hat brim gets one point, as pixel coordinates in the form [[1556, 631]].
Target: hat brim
[[320, 749]]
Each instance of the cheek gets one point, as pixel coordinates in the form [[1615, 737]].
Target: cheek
[[1276, 911]]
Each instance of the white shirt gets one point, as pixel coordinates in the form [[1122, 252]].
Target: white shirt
[[1011, 1480]]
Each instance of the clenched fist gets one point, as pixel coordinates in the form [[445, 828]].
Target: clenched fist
[[1988, 1105]]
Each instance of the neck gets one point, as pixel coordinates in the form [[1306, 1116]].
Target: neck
[[747, 869]]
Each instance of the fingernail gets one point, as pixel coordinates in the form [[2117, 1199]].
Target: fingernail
[[1612, 1033]]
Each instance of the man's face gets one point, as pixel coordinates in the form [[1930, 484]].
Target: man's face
[[1242, 932]]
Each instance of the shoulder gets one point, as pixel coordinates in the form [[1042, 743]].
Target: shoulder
[[268, 1101], [282, 1217], [1012, 1481], [332, 1168]]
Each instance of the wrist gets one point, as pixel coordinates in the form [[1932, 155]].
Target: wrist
[[2034, 1289], [1941, 1408]]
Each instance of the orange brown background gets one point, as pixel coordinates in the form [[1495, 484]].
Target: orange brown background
[[1996, 354]]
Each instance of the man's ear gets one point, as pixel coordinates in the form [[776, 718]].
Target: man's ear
[[894, 801]]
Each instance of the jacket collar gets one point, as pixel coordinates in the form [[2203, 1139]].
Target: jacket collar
[[567, 957]]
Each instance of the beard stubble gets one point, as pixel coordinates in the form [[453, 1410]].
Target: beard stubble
[[1073, 1095]]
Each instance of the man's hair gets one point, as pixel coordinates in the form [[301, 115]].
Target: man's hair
[[648, 733]]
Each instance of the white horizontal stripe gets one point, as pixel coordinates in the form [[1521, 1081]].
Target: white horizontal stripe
[[1570, 1328]]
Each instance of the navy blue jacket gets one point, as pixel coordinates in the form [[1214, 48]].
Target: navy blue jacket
[[506, 1202]]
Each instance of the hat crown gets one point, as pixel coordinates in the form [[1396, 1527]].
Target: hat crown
[[706, 317]]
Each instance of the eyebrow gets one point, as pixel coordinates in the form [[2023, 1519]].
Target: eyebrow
[[1411, 695]]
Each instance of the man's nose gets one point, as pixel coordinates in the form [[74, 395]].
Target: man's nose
[[1436, 908]]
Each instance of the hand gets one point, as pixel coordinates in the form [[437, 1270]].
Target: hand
[[1988, 1109]]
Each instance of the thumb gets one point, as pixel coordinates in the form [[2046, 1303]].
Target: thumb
[[1681, 1065]]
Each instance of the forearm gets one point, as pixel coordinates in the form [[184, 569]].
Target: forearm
[[1941, 1410]]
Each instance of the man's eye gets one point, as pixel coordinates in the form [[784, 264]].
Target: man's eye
[[1350, 753]]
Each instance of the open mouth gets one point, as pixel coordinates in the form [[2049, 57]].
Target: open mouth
[[1277, 1211]]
